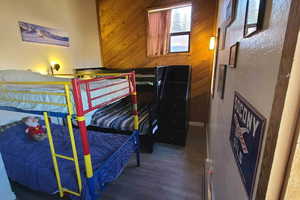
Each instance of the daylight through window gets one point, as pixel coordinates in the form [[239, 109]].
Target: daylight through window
[[169, 30], [180, 29]]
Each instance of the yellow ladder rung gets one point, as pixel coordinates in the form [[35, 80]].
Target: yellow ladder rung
[[71, 192], [64, 157]]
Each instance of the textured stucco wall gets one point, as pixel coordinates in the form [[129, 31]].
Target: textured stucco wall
[[254, 78]]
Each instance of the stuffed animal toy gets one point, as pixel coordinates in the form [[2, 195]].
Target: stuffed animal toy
[[34, 130]]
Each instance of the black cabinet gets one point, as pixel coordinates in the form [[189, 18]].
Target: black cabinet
[[174, 104]]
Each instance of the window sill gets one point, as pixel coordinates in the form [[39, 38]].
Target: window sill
[[172, 54], [179, 54]]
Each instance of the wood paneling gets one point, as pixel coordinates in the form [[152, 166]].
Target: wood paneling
[[123, 27]]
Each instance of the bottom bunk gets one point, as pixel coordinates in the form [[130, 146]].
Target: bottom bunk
[[29, 162], [117, 118]]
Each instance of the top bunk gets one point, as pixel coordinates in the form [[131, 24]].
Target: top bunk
[[147, 82], [30, 92], [151, 82]]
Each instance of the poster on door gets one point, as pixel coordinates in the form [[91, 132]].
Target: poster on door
[[246, 135]]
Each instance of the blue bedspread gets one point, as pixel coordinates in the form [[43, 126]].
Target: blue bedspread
[[29, 163]]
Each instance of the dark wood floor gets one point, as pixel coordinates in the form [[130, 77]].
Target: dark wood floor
[[170, 173]]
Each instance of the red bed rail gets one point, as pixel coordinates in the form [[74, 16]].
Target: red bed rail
[[77, 83], [77, 92]]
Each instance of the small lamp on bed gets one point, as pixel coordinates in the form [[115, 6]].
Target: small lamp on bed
[[54, 66]]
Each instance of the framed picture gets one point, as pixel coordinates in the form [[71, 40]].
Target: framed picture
[[222, 80], [233, 55], [246, 136], [45, 35], [255, 11], [214, 72], [230, 11], [222, 42]]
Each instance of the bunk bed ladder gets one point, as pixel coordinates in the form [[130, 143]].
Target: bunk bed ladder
[[54, 155]]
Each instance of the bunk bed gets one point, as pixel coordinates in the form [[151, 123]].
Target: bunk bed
[[164, 98], [78, 172], [116, 117]]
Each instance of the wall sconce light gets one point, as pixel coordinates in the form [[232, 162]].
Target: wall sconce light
[[212, 43], [54, 66]]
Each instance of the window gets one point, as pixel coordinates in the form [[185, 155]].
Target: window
[[180, 29], [169, 30]]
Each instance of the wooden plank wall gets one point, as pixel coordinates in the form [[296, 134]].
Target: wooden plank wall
[[123, 28]]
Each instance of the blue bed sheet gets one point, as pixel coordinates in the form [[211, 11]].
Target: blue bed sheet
[[29, 163]]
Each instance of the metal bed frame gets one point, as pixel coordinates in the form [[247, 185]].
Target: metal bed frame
[[147, 141], [76, 84]]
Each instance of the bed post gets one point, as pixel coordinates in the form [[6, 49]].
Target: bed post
[[133, 93], [84, 138]]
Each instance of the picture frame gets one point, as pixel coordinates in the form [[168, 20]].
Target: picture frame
[[44, 35], [222, 80], [230, 11], [223, 33], [233, 55], [216, 56], [255, 11]]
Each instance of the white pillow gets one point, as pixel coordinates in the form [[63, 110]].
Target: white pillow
[[22, 75], [25, 76]]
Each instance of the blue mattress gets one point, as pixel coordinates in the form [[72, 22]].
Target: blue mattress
[[118, 116], [29, 163]]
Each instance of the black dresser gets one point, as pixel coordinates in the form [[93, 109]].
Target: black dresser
[[174, 103]]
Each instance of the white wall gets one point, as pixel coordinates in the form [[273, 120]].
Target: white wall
[[77, 17], [254, 78]]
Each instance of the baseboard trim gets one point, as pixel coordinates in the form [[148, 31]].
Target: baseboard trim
[[208, 184], [198, 124]]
